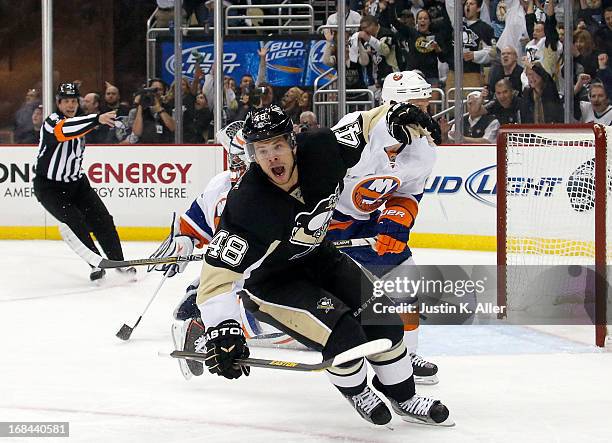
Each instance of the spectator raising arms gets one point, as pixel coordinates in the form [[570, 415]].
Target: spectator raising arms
[[420, 47], [541, 102], [382, 45], [477, 41], [604, 73], [198, 116], [585, 58], [603, 36], [508, 69], [597, 109], [356, 60], [544, 47]]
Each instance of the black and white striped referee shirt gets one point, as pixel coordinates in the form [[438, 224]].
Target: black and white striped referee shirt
[[61, 146]]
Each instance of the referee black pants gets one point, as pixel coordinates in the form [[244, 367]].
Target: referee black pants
[[77, 205]]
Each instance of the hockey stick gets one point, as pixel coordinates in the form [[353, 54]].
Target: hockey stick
[[96, 260], [355, 242], [125, 332], [364, 350]]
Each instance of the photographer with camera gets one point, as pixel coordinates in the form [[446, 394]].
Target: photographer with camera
[[153, 122], [307, 122]]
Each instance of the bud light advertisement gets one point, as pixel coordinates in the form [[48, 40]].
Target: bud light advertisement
[[288, 62]]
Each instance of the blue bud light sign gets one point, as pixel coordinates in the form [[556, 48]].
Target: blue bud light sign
[[292, 62]]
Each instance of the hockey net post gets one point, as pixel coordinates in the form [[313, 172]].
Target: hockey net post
[[552, 206]]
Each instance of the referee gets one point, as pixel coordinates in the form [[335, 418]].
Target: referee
[[60, 185]]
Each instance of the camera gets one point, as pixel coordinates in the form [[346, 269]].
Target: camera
[[255, 95], [147, 97], [303, 127]]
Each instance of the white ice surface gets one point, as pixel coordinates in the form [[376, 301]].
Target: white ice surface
[[60, 361]]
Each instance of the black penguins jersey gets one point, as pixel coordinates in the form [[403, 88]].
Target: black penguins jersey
[[265, 231]]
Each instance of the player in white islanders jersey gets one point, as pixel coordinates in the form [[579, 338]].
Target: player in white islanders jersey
[[381, 198]]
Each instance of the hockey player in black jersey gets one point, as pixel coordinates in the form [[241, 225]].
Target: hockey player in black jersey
[[272, 235]]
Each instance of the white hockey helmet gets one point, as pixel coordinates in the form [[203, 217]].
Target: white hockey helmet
[[233, 142], [403, 86]]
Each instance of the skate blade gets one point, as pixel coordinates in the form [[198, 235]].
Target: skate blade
[[127, 277], [449, 422], [177, 335], [98, 282], [431, 380]]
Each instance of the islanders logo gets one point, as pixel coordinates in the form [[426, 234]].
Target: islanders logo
[[369, 194]]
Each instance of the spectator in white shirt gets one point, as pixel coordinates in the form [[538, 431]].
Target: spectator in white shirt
[[478, 126], [597, 109]]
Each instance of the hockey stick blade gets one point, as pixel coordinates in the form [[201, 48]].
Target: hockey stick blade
[[125, 332], [364, 350]]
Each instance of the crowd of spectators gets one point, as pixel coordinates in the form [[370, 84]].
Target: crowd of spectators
[[512, 55], [150, 117]]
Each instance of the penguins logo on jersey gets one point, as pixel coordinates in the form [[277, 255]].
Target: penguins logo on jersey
[[310, 227], [325, 304], [369, 194], [471, 40]]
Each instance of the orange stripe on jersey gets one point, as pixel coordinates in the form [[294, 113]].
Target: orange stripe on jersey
[[339, 225], [58, 131], [186, 229]]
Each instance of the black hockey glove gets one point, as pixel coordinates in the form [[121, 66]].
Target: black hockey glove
[[225, 343], [400, 115]]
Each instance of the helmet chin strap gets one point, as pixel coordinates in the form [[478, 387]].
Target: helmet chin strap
[[294, 162], [293, 146]]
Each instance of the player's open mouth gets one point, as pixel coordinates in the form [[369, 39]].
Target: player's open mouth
[[278, 171]]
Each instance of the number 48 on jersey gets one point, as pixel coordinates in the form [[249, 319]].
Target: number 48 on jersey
[[228, 248]]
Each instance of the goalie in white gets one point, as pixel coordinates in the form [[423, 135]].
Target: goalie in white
[[382, 193]]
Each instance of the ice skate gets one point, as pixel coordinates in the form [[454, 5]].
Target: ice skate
[[96, 274], [423, 410], [189, 336], [424, 372], [370, 407], [128, 273]]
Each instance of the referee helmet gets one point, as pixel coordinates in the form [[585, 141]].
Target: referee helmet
[[67, 90]]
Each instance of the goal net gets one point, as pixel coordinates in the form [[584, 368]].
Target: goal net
[[553, 185]]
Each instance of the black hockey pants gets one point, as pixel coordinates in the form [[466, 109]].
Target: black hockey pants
[[325, 303], [77, 205]]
